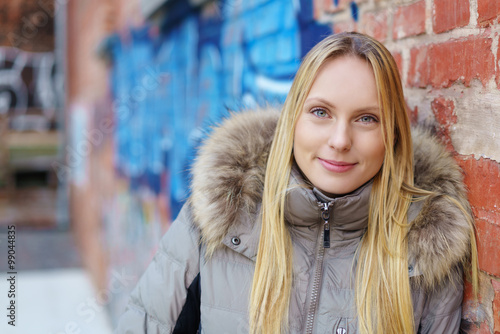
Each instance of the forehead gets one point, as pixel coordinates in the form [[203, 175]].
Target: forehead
[[345, 82]]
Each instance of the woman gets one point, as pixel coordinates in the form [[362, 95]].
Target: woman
[[324, 220]]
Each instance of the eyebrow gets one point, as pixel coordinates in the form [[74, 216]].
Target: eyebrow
[[322, 100]]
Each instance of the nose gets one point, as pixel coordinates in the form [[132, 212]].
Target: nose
[[340, 138]]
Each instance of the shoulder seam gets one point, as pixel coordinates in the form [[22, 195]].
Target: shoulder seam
[[163, 252]]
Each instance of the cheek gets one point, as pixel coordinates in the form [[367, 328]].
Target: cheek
[[297, 147], [371, 149], [299, 141], [377, 154], [302, 149]]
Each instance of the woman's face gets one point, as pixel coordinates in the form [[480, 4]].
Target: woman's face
[[338, 141]]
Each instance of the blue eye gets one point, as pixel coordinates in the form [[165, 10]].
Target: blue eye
[[368, 119], [320, 113]]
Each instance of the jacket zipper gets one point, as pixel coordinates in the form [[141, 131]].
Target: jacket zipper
[[325, 235], [325, 214]]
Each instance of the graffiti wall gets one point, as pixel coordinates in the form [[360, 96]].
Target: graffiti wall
[[169, 86], [170, 83], [27, 88]]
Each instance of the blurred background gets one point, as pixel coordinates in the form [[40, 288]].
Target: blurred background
[[104, 102]]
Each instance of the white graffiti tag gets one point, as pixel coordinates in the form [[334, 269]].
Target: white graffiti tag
[[27, 82]]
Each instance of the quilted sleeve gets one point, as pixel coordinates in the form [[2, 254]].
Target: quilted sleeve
[[443, 307], [161, 293]]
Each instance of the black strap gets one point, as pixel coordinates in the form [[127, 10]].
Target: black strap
[[189, 319]]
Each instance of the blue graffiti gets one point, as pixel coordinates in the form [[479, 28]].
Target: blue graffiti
[[354, 11], [170, 88]]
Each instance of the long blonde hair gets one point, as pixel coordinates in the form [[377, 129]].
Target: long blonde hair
[[382, 282]]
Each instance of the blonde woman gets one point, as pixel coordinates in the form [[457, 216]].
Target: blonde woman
[[328, 217]]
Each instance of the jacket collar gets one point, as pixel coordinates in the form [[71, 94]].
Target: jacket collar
[[228, 179], [348, 213]]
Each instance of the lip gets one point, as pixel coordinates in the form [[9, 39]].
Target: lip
[[336, 166]]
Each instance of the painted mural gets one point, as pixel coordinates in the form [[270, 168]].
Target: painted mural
[[170, 86]]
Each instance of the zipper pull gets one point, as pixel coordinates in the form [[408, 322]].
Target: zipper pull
[[325, 214]]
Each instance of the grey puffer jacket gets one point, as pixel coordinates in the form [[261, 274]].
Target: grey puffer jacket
[[182, 291]]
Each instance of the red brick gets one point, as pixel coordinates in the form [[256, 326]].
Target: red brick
[[469, 301], [477, 311], [464, 59], [488, 247], [482, 178], [460, 60], [450, 14], [488, 215], [498, 67], [398, 58], [344, 26], [409, 20], [27, 25], [375, 24], [418, 72], [496, 304], [412, 114], [444, 112], [483, 329], [488, 12]]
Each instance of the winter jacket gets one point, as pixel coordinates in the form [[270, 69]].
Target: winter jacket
[[183, 291]]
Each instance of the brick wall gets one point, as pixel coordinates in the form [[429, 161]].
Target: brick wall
[[27, 25], [448, 55]]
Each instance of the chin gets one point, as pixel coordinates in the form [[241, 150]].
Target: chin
[[337, 191], [341, 189]]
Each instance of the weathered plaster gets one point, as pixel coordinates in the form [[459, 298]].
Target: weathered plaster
[[477, 131]]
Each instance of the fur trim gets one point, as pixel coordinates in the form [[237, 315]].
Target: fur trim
[[439, 238], [228, 179], [228, 174]]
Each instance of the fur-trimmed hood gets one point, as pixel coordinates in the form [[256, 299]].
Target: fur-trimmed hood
[[228, 179]]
